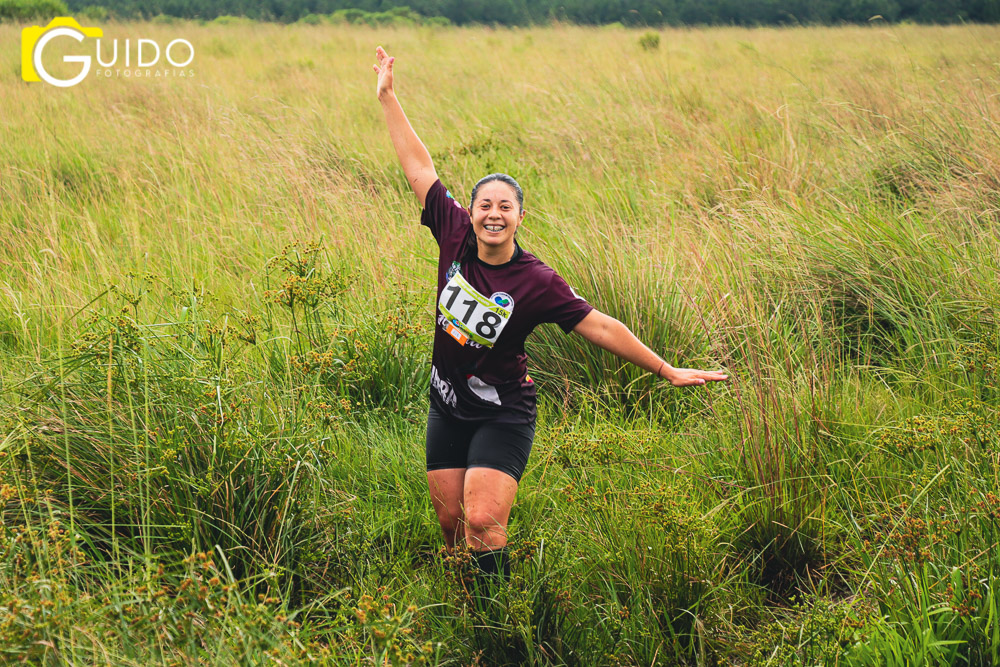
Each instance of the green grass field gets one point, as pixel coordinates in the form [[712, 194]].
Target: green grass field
[[215, 323]]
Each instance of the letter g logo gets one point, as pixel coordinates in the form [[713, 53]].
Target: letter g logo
[[33, 41]]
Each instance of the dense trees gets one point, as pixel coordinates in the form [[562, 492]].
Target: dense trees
[[24, 10], [522, 12], [630, 12]]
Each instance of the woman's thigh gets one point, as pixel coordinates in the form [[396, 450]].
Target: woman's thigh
[[447, 441], [447, 488], [501, 446], [489, 495]]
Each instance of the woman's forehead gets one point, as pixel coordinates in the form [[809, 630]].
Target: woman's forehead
[[496, 190]]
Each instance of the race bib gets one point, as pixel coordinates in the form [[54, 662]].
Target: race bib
[[471, 316]]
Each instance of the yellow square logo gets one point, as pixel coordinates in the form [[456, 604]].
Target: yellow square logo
[[33, 42]]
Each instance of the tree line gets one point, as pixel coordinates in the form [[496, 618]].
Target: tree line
[[653, 13]]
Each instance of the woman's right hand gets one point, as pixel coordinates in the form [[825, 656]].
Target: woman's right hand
[[384, 70]]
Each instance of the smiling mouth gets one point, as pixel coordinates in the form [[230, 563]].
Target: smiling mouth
[[493, 228]]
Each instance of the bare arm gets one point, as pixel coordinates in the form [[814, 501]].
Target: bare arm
[[413, 155], [606, 332]]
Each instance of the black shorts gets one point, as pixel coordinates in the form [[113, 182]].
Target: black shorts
[[488, 444]]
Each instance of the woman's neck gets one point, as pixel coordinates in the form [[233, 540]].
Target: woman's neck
[[496, 254]]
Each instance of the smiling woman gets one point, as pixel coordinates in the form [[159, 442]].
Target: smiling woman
[[497, 210], [491, 296]]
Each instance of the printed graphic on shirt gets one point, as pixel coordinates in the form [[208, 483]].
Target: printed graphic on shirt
[[443, 388], [453, 201], [487, 392], [452, 270], [472, 316]]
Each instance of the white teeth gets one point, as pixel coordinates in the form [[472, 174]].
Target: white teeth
[[493, 228]]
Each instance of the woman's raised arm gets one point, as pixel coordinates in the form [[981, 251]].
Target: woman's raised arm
[[413, 155]]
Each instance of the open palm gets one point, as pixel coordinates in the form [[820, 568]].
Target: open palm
[[384, 70], [688, 377]]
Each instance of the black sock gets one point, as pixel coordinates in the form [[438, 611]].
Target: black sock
[[492, 570], [494, 562]]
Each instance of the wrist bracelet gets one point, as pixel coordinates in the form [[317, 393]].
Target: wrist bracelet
[[660, 369]]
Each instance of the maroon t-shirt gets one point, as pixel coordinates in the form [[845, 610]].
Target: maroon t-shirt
[[488, 379]]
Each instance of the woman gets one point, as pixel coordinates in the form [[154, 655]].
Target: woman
[[491, 294]]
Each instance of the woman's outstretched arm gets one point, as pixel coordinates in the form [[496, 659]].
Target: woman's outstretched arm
[[412, 154], [607, 332]]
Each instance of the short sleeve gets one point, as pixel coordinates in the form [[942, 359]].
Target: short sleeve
[[443, 215], [564, 306]]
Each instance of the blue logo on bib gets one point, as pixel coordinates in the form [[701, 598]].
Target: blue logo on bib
[[502, 299]]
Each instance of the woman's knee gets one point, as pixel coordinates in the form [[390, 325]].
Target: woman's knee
[[450, 523], [480, 522]]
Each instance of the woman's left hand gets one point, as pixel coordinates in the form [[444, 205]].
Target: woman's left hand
[[689, 377]]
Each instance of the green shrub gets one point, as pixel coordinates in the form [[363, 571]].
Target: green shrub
[[437, 21], [38, 10], [351, 16], [649, 41], [95, 13], [395, 17], [404, 12], [160, 457], [232, 20], [818, 632], [390, 19]]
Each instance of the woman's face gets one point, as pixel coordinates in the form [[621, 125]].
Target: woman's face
[[495, 214]]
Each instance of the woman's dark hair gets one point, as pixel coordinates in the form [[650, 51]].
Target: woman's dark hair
[[503, 178]]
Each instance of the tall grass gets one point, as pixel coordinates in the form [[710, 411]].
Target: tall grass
[[215, 334]]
